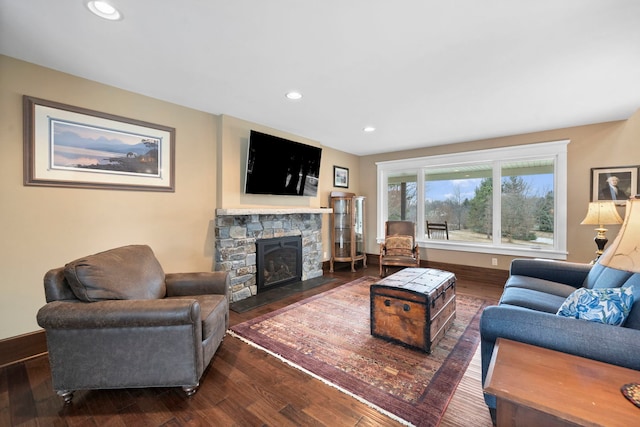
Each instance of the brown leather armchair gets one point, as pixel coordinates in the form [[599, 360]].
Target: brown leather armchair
[[399, 248], [115, 320]]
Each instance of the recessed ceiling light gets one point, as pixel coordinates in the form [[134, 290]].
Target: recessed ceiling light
[[293, 95], [104, 10], [369, 129]]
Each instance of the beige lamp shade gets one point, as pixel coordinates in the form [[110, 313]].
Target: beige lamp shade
[[624, 252], [601, 213]]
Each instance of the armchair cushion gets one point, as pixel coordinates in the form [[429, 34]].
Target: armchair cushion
[[128, 272], [213, 311], [610, 306], [399, 245]]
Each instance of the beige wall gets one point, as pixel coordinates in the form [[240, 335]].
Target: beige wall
[[598, 145], [45, 227]]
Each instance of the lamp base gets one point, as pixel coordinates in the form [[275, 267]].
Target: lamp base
[[601, 241]]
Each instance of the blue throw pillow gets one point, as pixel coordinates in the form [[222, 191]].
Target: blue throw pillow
[[604, 305]]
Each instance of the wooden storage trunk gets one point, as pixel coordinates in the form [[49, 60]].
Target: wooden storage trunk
[[414, 307]]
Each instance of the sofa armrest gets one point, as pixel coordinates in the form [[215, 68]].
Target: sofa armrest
[[119, 314], [611, 344], [568, 273], [185, 284]]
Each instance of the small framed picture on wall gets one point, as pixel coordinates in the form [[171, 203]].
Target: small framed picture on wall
[[614, 183], [340, 177]]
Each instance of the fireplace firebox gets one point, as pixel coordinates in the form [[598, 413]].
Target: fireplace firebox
[[278, 262]]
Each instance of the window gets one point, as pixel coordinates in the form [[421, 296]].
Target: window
[[461, 196], [523, 214], [527, 203], [402, 190]]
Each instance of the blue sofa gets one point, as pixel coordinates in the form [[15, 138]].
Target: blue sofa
[[534, 292]]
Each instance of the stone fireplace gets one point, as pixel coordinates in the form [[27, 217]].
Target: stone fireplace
[[237, 232]]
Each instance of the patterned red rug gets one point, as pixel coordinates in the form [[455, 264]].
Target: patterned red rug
[[328, 336]]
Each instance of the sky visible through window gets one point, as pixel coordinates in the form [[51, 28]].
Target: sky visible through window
[[442, 190]]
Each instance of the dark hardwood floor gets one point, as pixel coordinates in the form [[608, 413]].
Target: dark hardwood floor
[[243, 386]]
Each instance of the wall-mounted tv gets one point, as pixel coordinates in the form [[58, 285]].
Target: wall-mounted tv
[[278, 166]]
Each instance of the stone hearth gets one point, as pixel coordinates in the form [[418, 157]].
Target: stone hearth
[[236, 232]]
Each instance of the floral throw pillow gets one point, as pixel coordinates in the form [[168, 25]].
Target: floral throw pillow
[[605, 305]]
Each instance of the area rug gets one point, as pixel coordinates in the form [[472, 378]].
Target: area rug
[[328, 336]]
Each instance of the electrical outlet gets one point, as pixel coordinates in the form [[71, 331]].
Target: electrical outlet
[[494, 261]]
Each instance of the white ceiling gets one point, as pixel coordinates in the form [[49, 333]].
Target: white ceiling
[[422, 72]]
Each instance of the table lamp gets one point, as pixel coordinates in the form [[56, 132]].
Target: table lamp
[[601, 214]]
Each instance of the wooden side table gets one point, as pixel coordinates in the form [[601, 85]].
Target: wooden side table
[[536, 386]]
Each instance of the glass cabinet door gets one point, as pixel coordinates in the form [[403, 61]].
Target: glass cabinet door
[[341, 228], [358, 225], [347, 229]]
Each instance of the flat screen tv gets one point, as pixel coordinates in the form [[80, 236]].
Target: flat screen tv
[[278, 166]]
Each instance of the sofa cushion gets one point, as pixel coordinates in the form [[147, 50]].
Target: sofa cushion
[[128, 272], [610, 306], [541, 285], [532, 299], [605, 277], [633, 320]]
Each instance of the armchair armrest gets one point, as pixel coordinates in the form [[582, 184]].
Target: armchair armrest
[[568, 273], [185, 284], [119, 314]]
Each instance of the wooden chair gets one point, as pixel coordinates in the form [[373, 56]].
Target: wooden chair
[[399, 248], [437, 230]]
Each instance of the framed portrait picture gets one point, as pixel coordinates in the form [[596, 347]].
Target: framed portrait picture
[[340, 177], [614, 183], [66, 146]]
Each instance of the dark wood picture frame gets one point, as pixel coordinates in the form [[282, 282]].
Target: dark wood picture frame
[[74, 147], [340, 177], [626, 178]]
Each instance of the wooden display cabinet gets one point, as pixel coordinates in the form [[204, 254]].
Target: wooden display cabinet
[[347, 229]]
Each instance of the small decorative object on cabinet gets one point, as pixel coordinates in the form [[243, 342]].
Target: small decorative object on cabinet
[[347, 229]]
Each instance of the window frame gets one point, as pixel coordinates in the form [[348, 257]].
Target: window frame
[[557, 150]]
